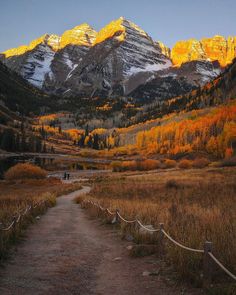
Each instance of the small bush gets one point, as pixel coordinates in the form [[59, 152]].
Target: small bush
[[228, 162], [168, 163], [185, 164], [149, 164], [25, 171], [116, 166], [201, 163], [129, 166]]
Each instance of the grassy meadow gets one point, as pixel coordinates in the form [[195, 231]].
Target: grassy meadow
[[195, 205], [18, 194]]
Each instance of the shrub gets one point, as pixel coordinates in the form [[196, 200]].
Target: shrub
[[129, 166], [116, 166], [185, 164], [25, 171], [169, 163], [201, 163], [228, 162], [149, 164]]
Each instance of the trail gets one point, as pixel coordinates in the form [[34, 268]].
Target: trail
[[67, 253]]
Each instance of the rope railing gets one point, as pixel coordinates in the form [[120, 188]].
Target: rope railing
[[9, 226], [146, 228], [20, 215], [110, 212], [229, 273], [207, 247], [181, 245], [125, 220]]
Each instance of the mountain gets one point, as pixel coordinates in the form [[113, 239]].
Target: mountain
[[33, 62], [208, 49], [216, 92], [74, 45], [121, 60], [121, 50]]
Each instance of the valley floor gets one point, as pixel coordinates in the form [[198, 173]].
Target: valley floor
[[65, 252]]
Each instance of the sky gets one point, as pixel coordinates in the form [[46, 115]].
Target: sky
[[168, 21]]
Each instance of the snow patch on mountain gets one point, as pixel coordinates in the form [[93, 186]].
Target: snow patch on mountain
[[150, 68], [207, 74], [38, 65], [73, 67]]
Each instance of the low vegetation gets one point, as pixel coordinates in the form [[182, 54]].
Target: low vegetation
[[17, 193], [25, 171], [185, 164], [187, 203], [151, 164]]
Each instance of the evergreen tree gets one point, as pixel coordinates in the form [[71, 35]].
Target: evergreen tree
[[8, 140], [44, 148]]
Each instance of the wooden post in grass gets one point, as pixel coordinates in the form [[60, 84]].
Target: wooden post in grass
[[161, 240], [207, 265], [116, 218]]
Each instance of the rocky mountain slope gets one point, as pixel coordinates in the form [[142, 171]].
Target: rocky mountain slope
[[119, 61], [211, 49], [121, 50]]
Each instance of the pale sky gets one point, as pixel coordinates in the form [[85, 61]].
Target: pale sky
[[168, 21]]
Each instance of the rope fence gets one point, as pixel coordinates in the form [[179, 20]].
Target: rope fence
[[20, 215], [208, 256]]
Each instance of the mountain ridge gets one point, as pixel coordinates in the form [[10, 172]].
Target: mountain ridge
[[119, 60]]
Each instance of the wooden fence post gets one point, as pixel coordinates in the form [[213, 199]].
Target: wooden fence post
[[207, 265], [116, 218], [161, 240]]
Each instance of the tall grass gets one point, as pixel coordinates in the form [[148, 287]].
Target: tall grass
[[15, 196], [199, 206]]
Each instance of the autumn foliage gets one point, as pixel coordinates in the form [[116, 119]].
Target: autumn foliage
[[142, 165], [214, 133], [185, 164], [25, 171]]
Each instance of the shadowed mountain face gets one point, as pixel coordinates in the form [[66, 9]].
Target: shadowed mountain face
[[20, 96], [119, 61]]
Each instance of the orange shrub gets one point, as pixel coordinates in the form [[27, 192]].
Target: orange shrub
[[185, 164], [169, 163], [149, 164], [25, 171], [116, 166], [129, 165], [229, 153], [201, 163]]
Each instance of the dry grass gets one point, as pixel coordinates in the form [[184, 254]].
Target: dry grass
[[25, 171], [17, 195], [194, 205]]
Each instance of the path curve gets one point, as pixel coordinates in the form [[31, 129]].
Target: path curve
[[67, 253]]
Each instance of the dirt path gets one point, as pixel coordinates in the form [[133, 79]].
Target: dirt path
[[67, 253]]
